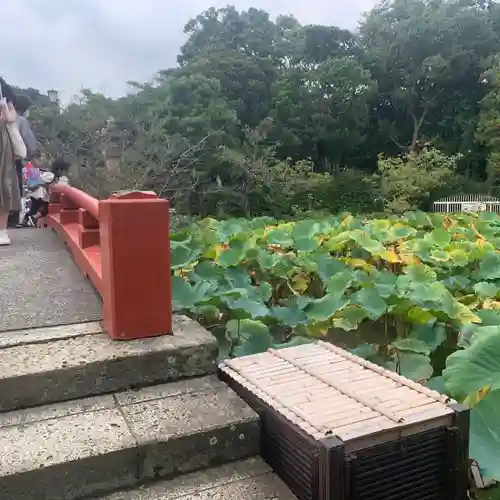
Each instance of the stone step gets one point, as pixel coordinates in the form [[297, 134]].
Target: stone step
[[48, 365], [96, 446], [250, 479]]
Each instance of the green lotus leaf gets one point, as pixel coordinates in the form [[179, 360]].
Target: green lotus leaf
[[280, 237], [366, 351], [421, 274], [367, 243], [340, 282], [371, 301], [411, 345], [440, 256], [486, 290], [207, 271], [295, 341], [350, 317], [325, 308], [251, 336], [254, 308], [439, 237], [233, 255], [289, 316], [485, 435], [489, 267], [414, 366], [328, 267], [385, 284], [417, 315], [185, 295], [437, 384], [478, 366], [432, 334], [182, 256]]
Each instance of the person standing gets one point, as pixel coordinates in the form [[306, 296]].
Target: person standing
[[11, 148], [22, 104]]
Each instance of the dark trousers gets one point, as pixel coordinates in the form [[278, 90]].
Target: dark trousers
[[38, 206], [19, 172], [14, 216]]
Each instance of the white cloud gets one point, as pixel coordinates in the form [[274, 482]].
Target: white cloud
[[100, 44]]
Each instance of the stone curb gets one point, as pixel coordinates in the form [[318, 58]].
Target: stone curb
[[81, 365], [250, 479], [99, 445]]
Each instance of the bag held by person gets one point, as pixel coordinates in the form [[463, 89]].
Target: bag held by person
[[18, 146]]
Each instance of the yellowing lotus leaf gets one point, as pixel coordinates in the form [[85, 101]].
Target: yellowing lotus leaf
[[390, 256]]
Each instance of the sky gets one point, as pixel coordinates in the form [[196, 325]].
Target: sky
[[68, 45]]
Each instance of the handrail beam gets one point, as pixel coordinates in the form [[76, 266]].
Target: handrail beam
[[79, 198]]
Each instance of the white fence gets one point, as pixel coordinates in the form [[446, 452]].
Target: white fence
[[467, 203]]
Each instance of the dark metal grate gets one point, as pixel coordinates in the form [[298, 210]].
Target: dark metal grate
[[293, 456], [413, 468]]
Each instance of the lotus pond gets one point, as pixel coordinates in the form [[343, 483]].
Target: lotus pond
[[419, 294]]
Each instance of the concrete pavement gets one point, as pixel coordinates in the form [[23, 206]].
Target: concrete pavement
[[41, 286]]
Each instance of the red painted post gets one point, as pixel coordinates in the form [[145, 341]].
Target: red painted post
[[135, 257], [89, 233], [68, 210], [55, 202]]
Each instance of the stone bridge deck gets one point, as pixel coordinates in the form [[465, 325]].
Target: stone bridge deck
[[40, 285]]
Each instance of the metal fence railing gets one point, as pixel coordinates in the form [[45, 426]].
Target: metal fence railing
[[467, 203]]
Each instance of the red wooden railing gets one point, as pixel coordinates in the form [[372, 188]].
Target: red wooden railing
[[122, 245]]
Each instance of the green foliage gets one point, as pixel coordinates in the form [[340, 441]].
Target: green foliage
[[321, 100], [472, 375], [266, 184], [489, 122], [308, 276], [321, 110], [422, 54], [427, 283], [406, 181]]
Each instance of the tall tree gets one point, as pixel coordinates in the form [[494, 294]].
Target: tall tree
[[251, 32], [488, 124], [321, 110], [419, 51]]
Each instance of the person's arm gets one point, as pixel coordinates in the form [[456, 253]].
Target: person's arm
[[27, 134]]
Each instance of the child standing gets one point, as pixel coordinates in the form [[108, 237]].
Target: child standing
[[38, 182], [60, 169], [38, 189]]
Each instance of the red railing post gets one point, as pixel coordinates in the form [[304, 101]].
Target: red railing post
[[68, 210], [55, 202], [135, 260], [122, 244], [89, 234]]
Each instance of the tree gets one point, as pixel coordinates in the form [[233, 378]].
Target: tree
[[322, 110], [261, 183], [245, 80], [250, 32], [419, 51], [488, 124], [257, 105], [406, 182]]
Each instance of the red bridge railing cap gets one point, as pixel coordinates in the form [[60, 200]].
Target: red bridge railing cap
[[134, 195]]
